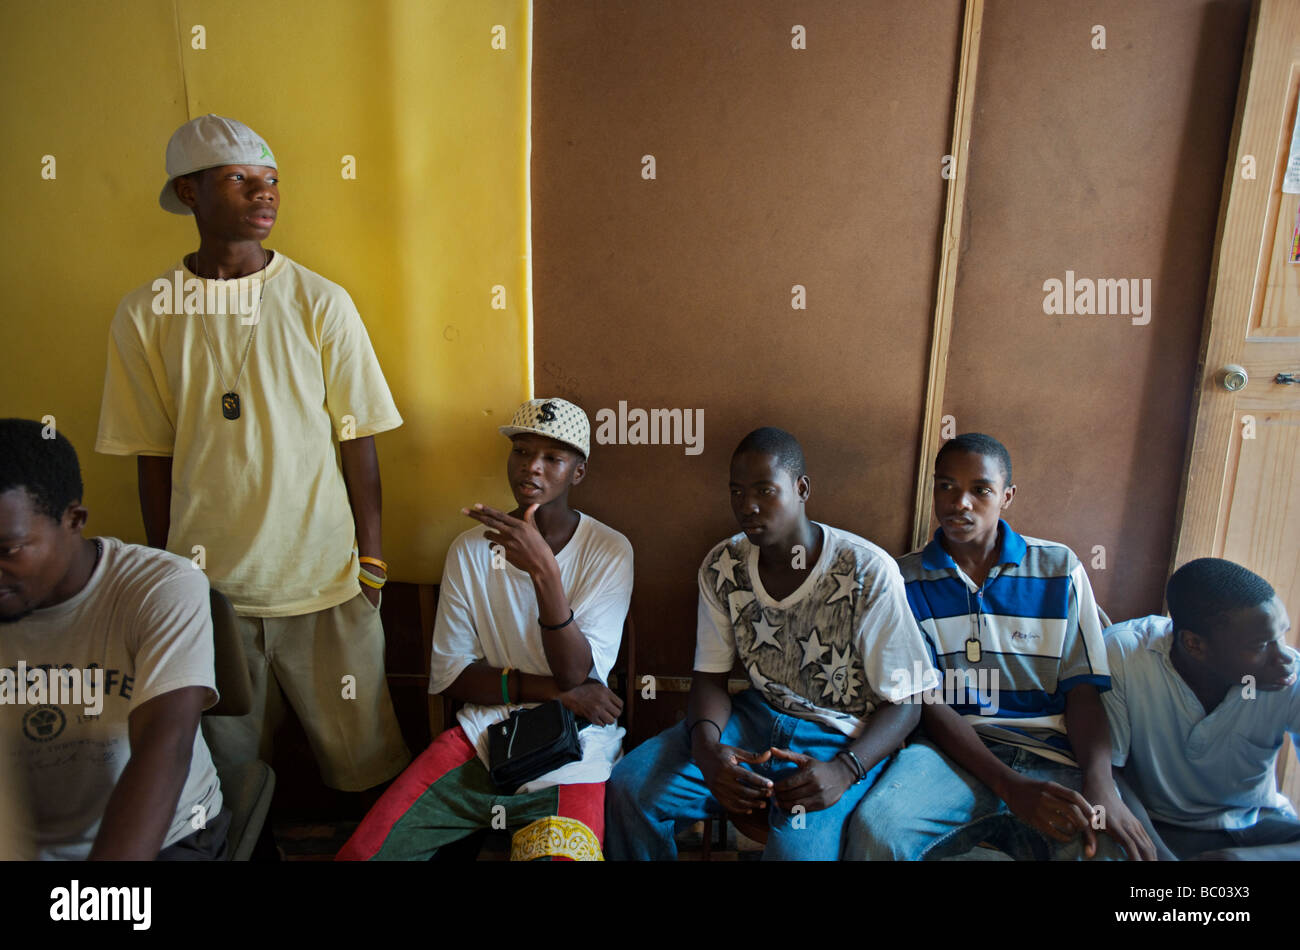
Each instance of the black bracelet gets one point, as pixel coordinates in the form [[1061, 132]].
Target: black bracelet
[[710, 722], [854, 764], [547, 626]]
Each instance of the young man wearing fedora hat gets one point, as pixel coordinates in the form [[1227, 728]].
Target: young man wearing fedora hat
[[531, 609], [231, 377]]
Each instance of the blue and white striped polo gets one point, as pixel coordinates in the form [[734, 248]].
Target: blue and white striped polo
[[1039, 636]]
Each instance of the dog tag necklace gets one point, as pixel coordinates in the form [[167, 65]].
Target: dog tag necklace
[[230, 399], [973, 647]]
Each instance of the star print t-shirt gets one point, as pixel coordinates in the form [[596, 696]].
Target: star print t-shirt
[[843, 643]]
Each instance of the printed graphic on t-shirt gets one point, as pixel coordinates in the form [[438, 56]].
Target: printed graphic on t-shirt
[[63, 721], [803, 657], [44, 723]]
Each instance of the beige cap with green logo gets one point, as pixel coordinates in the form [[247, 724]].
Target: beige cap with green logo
[[207, 142]]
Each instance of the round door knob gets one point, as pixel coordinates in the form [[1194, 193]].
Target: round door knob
[[1233, 377]]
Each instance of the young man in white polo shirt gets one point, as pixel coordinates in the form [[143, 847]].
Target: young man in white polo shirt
[[1200, 705], [113, 767], [530, 609], [232, 377]]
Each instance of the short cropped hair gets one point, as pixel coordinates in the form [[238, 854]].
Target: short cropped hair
[[46, 468], [977, 443], [1203, 590], [770, 440]]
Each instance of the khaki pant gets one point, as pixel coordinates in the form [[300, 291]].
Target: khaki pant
[[329, 666]]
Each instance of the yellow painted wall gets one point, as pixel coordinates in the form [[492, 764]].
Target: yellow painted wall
[[438, 123]]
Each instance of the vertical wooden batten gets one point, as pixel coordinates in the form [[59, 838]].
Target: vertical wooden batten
[[963, 113]]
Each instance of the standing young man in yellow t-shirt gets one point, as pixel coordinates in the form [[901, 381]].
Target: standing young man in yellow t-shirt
[[230, 376]]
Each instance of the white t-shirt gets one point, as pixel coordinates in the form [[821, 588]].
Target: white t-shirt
[[144, 618], [490, 613], [840, 645], [263, 494]]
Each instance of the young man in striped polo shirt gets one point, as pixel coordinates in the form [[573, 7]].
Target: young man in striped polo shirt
[[1016, 750]]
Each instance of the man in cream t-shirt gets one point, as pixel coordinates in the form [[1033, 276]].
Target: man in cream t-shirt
[[530, 609], [232, 376], [105, 666]]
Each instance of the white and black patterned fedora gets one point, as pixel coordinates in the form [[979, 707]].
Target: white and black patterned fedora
[[556, 419]]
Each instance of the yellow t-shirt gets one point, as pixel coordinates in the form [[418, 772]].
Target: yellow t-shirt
[[263, 494]]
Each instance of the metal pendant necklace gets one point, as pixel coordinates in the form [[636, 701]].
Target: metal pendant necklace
[[230, 398], [974, 643], [974, 646]]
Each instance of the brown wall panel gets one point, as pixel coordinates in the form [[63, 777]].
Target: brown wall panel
[[1108, 163], [775, 167], [820, 167]]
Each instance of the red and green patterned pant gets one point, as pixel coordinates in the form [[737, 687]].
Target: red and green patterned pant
[[446, 795]]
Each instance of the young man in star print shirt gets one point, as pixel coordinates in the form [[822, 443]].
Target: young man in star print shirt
[[819, 619], [1017, 749]]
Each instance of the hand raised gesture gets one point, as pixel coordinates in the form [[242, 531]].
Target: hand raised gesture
[[523, 544]]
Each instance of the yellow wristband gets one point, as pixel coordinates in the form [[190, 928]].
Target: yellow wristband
[[370, 580]]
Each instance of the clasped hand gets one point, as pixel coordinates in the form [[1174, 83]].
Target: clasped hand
[[815, 785]]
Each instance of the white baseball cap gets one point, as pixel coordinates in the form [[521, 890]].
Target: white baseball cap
[[556, 419], [207, 142]]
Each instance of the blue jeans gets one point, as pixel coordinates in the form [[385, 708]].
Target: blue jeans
[[927, 807], [1274, 827], [657, 789]]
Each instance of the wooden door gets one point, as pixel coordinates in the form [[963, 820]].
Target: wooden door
[[1241, 499]]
